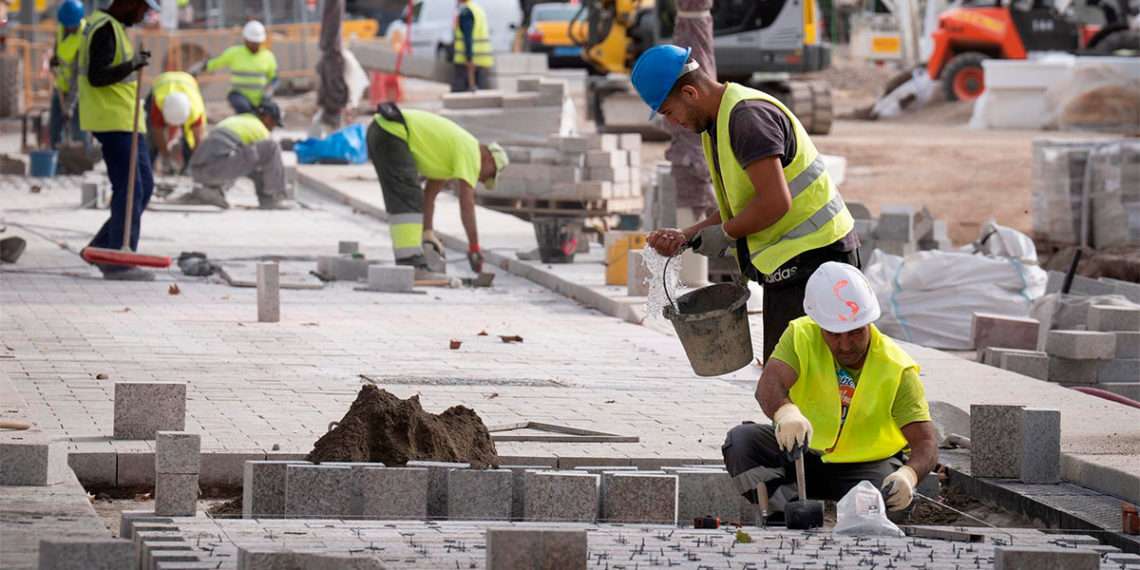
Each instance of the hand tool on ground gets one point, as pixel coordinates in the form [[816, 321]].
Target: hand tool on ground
[[126, 256], [803, 514]]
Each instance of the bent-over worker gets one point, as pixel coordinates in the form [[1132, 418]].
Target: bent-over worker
[[846, 392], [405, 144], [175, 103], [239, 146]]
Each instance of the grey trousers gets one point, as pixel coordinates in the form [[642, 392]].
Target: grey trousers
[[221, 159]]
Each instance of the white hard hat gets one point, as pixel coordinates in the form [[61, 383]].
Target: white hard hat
[[253, 31], [176, 109], [839, 298]]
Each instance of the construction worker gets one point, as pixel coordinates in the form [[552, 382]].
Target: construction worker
[[174, 103], [809, 388], [407, 144], [253, 69], [65, 64], [240, 146], [108, 97], [779, 209], [473, 59]]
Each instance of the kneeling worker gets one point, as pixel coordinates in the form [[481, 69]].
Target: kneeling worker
[[847, 392], [241, 146], [407, 144]]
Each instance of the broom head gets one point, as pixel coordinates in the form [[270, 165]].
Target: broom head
[[106, 256]]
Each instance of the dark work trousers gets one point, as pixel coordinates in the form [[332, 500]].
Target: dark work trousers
[[56, 127], [117, 156], [403, 196], [459, 81], [752, 456], [240, 103]]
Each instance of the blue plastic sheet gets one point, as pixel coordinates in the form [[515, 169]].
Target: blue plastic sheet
[[346, 146]]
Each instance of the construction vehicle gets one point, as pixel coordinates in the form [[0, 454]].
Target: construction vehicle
[[757, 43], [976, 30]]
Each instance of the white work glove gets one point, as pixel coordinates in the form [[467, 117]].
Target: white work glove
[[898, 488], [793, 430], [712, 241], [430, 238]]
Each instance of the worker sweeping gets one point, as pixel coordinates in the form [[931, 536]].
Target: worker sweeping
[[473, 54], [778, 207], [240, 146], [405, 144], [175, 107], [253, 69], [65, 65], [107, 101], [847, 393]]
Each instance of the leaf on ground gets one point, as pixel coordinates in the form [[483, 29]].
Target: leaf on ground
[[174, 290], [482, 333], [511, 338], [455, 344], [102, 376]]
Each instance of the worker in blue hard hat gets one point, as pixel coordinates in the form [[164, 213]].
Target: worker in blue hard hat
[[65, 65], [779, 210]]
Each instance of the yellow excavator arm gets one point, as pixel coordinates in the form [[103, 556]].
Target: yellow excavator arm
[[607, 43]]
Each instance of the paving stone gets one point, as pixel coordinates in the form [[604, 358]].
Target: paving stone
[[226, 469], [135, 469], [1030, 363], [31, 459], [393, 492], [1128, 345], [177, 452], [268, 292], [1069, 371], [176, 494], [1003, 331], [437, 484], [561, 496], [518, 486], [391, 279], [529, 549], [640, 498], [995, 441], [60, 553], [1022, 557], [707, 492], [128, 520], [1041, 446], [1081, 345], [1114, 318], [263, 488], [144, 408], [479, 494], [94, 469], [315, 491], [1119, 370]]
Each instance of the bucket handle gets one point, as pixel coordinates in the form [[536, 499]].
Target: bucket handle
[[665, 272]]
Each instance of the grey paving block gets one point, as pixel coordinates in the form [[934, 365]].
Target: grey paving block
[[1032, 364], [94, 469], [318, 491], [995, 441], [347, 247], [1041, 446], [1081, 345], [528, 549], [1069, 371], [1128, 345], [392, 492], [1114, 318], [479, 494], [561, 496], [437, 484], [391, 279], [144, 408], [518, 486], [60, 553], [128, 520], [176, 494], [1119, 370], [1025, 557], [1003, 331], [152, 559], [263, 488], [640, 498], [135, 469], [31, 459], [177, 452], [226, 469], [707, 492]]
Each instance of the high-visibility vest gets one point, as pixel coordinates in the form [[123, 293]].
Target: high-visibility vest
[[818, 215], [869, 433], [181, 82], [109, 108], [481, 39], [250, 73], [66, 50], [246, 127]]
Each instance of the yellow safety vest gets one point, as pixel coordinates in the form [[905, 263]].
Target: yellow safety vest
[[250, 73], [66, 48], [870, 433], [818, 215], [481, 39], [181, 82], [110, 108], [247, 127]]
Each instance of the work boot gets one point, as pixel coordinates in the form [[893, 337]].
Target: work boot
[[274, 204], [112, 273], [204, 196], [11, 248]]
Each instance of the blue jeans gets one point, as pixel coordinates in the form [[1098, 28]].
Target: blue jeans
[[55, 121], [117, 156], [240, 103]]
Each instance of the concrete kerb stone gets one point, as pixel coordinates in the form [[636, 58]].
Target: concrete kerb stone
[[391, 279], [392, 492], [640, 497], [60, 553], [480, 494], [144, 408], [1029, 363], [268, 292], [529, 548], [1113, 318], [1081, 345], [135, 469], [263, 488], [1070, 371], [995, 441], [226, 469], [94, 468], [316, 491], [1119, 370], [1003, 331], [176, 494], [1022, 557], [518, 486], [177, 452], [1041, 446], [1128, 345], [561, 496], [437, 484], [30, 458], [708, 492]]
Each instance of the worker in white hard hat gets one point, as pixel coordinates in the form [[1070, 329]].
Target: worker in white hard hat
[[253, 69], [842, 394], [175, 107]]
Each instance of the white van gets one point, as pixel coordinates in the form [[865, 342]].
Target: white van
[[433, 25]]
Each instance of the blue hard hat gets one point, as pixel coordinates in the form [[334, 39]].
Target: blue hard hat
[[70, 13], [154, 5], [656, 71]]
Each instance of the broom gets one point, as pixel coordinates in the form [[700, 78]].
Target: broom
[[126, 256]]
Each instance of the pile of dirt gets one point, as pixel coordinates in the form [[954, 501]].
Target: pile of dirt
[[381, 427]]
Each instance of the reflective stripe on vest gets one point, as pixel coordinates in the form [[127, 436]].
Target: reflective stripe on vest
[[481, 44], [67, 49], [109, 108], [181, 82], [817, 216], [247, 127], [870, 433]]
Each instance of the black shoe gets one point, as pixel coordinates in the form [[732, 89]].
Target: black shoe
[[11, 248]]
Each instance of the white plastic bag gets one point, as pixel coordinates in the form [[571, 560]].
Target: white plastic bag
[[861, 512]]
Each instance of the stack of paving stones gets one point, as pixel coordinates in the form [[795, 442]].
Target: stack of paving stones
[[900, 229], [1015, 442], [533, 110], [586, 167], [177, 463]]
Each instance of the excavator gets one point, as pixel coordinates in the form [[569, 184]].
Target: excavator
[[760, 43]]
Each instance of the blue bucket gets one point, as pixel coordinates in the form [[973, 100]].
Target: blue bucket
[[44, 163]]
